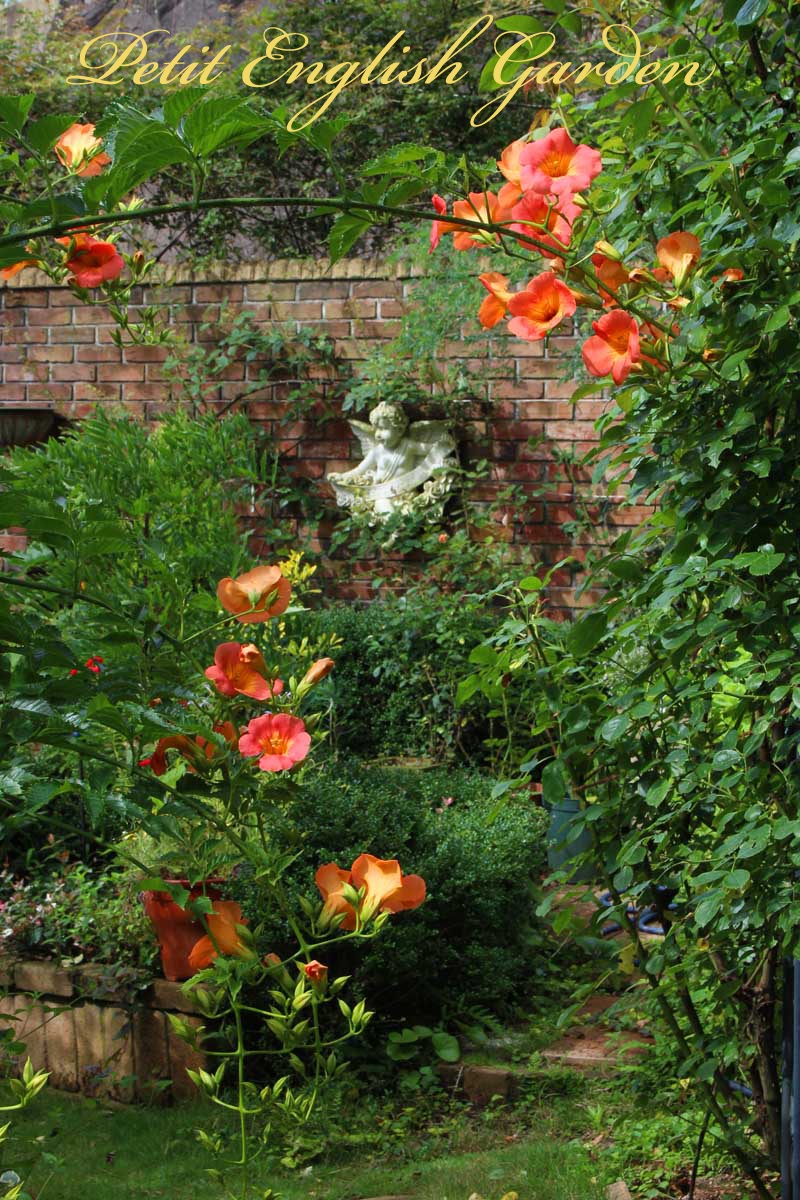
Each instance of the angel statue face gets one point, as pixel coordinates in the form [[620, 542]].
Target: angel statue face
[[390, 424]]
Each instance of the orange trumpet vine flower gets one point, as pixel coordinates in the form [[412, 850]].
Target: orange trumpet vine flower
[[196, 751], [545, 221], [678, 253], [439, 227], [495, 305], [478, 207], [91, 262], [277, 739], [315, 971], [15, 268], [240, 670], [611, 273], [225, 936], [386, 889], [317, 671], [264, 590], [556, 166], [510, 166], [614, 349], [81, 152], [543, 305]]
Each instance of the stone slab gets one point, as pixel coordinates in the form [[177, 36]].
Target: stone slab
[[118, 1050], [595, 1049], [479, 1084], [90, 983], [30, 1030], [165, 994], [62, 1050], [150, 1051], [45, 978], [618, 1191], [89, 1036]]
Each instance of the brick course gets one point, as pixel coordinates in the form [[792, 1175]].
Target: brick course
[[56, 352]]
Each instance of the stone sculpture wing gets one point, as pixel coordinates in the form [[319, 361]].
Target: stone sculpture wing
[[365, 434], [433, 436]]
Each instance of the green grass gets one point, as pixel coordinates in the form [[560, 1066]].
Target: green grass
[[86, 1150]]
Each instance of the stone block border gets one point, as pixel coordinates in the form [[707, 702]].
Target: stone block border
[[95, 1040]]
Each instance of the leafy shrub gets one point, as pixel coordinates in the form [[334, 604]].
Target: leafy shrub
[[397, 672], [473, 943], [150, 511], [71, 912]]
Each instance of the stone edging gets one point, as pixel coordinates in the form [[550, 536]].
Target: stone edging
[[95, 1040]]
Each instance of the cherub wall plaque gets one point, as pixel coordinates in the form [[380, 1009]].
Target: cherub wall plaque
[[406, 467]]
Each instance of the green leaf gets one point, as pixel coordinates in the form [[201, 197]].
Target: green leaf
[[724, 759], [554, 783], [520, 24], [220, 122], [345, 232], [179, 103], [584, 634], [399, 159], [760, 562], [638, 118], [11, 253], [613, 729], [586, 389], [101, 710], [778, 319], [750, 12], [736, 879], [446, 1046], [44, 133], [14, 112]]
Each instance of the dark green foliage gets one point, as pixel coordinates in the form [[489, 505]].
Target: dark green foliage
[[146, 510], [475, 941], [397, 673]]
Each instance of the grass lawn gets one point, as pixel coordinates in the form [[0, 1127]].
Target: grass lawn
[[91, 1151]]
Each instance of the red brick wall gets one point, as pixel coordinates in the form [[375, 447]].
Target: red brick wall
[[57, 353]]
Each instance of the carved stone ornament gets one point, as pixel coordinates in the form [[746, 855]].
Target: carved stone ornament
[[405, 467]]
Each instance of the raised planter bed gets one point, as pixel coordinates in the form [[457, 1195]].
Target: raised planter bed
[[95, 1040]]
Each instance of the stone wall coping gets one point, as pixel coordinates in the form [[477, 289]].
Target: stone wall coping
[[50, 977], [264, 271]]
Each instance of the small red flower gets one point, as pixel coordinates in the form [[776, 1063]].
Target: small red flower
[[316, 972], [92, 263], [729, 275], [438, 227]]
